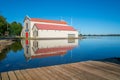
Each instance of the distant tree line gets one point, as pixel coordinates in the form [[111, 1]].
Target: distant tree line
[[9, 29], [101, 35]]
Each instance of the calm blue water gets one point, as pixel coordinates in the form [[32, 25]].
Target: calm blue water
[[39, 53]]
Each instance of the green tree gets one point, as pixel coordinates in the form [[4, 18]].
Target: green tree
[[19, 28], [15, 28], [9, 29], [3, 25]]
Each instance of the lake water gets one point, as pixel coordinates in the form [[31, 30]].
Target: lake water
[[25, 54]]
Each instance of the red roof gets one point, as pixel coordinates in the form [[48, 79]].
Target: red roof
[[54, 27], [54, 49], [48, 55], [47, 21]]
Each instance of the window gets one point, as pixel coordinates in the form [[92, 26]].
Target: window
[[27, 49], [35, 45], [26, 27], [71, 40], [71, 35], [36, 33], [33, 33]]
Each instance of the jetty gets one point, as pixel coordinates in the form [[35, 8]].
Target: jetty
[[89, 70]]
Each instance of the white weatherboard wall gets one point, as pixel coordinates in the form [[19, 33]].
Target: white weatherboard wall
[[55, 34], [54, 43]]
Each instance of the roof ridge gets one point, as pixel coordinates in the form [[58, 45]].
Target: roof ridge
[[47, 21]]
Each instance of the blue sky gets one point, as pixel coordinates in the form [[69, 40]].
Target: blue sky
[[88, 16]]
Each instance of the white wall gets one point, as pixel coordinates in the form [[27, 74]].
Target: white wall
[[24, 27], [55, 34], [55, 43]]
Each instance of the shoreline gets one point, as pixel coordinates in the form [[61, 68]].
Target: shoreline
[[4, 43]]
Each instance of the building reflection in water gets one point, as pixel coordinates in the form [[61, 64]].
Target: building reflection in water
[[46, 48]]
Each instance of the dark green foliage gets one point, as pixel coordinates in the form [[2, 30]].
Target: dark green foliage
[[13, 29], [3, 25]]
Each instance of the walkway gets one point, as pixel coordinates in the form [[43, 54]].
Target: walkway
[[90, 70]]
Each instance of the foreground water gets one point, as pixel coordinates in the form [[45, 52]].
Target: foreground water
[[25, 54]]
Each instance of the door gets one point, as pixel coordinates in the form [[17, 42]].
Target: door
[[26, 34], [71, 35]]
